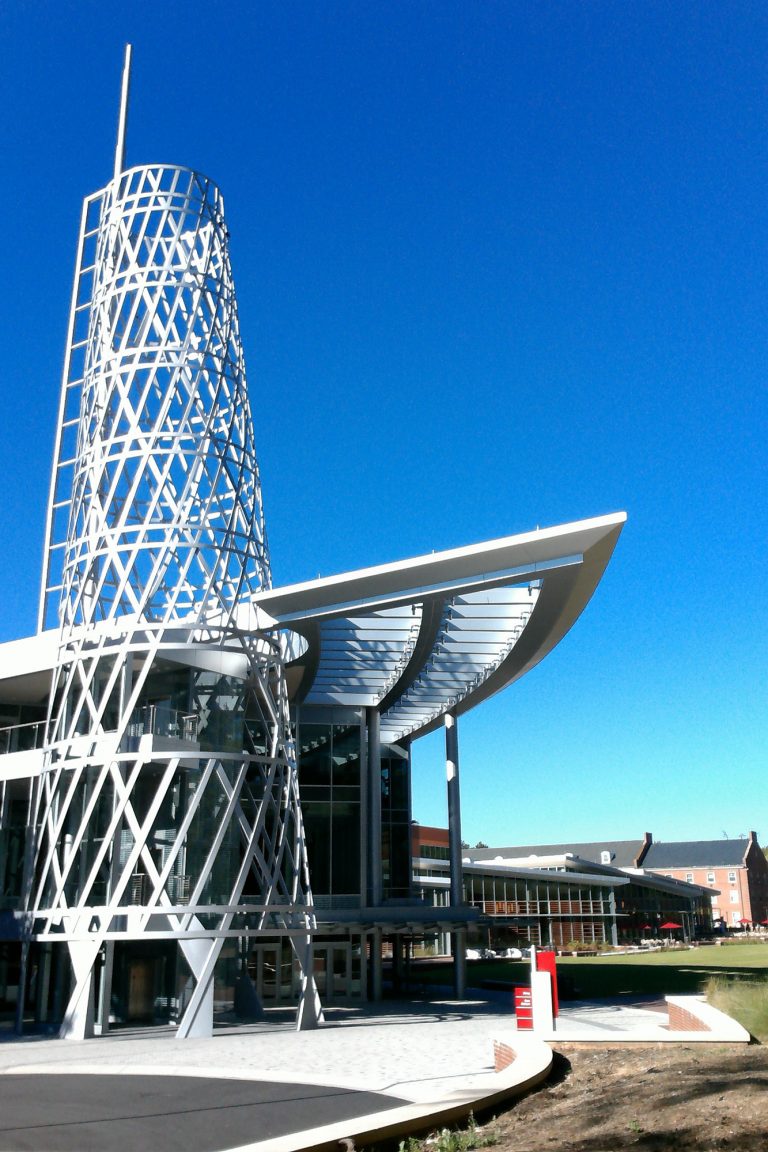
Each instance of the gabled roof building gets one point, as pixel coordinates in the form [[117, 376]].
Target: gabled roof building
[[736, 872], [733, 872]]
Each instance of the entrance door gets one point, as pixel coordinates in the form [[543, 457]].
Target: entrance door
[[141, 990], [333, 972], [268, 973], [274, 970]]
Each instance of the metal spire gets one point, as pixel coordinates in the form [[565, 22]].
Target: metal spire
[[122, 122]]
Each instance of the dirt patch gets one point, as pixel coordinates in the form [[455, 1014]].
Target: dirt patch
[[663, 1096]]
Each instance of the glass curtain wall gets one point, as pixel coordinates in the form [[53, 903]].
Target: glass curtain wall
[[14, 816], [531, 910], [396, 822], [330, 789], [643, 909]]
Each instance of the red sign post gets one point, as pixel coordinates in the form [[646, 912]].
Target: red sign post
[[547, 962], [524, 1009]]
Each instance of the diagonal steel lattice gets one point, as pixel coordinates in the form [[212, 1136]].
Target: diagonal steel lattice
[[162, 815]]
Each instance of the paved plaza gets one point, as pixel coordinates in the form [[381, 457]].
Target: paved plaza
[[269, 1088], [143, 1088]]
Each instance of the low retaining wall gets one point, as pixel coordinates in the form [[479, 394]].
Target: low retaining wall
[[693, 1014]]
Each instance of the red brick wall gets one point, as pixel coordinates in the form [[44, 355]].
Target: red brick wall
[[503, 1055], [724, 907], [681, 1020]]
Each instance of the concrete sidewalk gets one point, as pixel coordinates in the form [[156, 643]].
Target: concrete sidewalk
[[372, 1047]]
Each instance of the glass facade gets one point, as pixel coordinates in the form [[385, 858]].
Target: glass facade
[[396, 823], [331, 761], [557, 909], [536, 910], [150, 981], [329, 756], [15, 796], [642, 909]]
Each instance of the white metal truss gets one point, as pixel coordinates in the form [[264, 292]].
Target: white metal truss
[[162, 811], [362, 657]]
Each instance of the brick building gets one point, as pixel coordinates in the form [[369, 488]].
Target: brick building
[[736, 871]]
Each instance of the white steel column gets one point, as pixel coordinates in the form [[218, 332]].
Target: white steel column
[[458, 939], [375, 871], [365, 830], [122, 122], [377, 966]]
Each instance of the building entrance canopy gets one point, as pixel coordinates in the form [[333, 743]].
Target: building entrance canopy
[[441, 632]]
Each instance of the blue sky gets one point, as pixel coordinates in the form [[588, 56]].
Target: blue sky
[[498, 265]]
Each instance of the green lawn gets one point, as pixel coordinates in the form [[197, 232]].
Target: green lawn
[[592, 977], [664, 972]]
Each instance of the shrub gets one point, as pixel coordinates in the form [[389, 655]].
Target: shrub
[[581, 946], [453, 1139]]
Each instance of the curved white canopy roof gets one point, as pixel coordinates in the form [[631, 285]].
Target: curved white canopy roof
[[413, 639], [420, 637]]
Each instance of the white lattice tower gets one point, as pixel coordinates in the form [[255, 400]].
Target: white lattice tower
[[178, 817]]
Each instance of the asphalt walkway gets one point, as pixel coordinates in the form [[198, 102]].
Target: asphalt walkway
[[98, 1113]]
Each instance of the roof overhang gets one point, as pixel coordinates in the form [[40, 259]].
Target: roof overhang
[[437, 633], [25, 668], [414, 639]]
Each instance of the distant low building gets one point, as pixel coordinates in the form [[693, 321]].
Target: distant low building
[[614, 853], [555, 895]]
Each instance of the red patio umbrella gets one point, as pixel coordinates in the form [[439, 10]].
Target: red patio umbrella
[[670, 924]]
